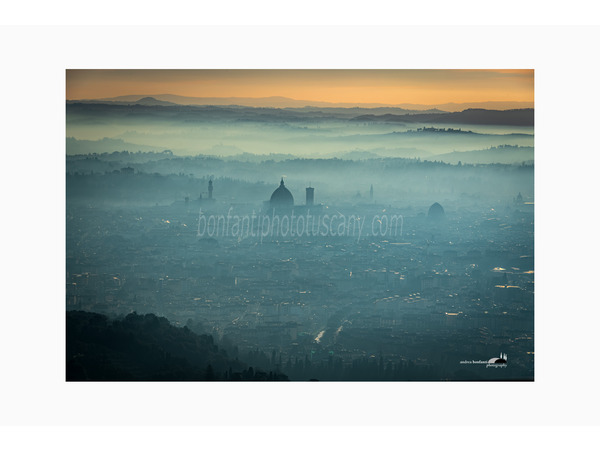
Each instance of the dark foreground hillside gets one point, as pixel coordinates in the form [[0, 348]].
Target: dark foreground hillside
[[147, 348]]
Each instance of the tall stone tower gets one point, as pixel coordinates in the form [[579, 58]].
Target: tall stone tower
[[310, 196]]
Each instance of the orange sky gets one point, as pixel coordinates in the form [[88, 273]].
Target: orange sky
[[348, 86]]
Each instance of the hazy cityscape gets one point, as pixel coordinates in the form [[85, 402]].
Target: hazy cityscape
[[230, 241]]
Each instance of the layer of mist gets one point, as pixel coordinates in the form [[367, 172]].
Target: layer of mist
[[231, 130], [241, 243]]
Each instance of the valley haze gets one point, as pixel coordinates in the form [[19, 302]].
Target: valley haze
[[257, 237]]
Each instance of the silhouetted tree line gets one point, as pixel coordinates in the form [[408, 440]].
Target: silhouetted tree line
[[148, 348]]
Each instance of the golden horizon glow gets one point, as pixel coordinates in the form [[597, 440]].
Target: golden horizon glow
[[392, 87]]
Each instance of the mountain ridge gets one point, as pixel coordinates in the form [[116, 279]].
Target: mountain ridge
[[286, 102]]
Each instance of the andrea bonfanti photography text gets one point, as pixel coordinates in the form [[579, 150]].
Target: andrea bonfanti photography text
[[494, 363]]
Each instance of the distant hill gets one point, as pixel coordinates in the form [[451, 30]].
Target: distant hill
[[147, 348], [285, 102], [105, 145], [515, 117], [505, 154], [312, 111], [152, 108], [455, 107], [354, 111], [378, 153], [150, 101]]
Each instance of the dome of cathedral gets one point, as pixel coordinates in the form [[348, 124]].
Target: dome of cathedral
[[436, 211], [281, 197]]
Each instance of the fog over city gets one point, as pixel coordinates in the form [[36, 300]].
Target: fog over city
[[228, 242]]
